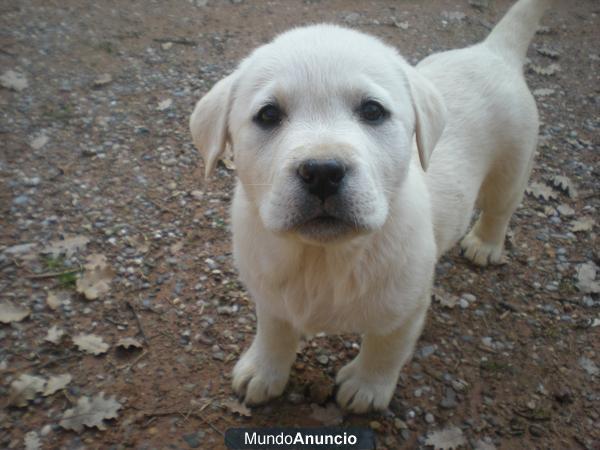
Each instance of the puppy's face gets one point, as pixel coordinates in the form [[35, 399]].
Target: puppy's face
[[321, 124]]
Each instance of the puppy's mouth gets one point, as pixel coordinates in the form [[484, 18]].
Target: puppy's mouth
[[323, 220], [326, 227]]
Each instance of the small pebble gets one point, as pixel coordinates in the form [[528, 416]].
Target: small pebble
[[449, 400], [375, 425], [400, 424], [323, 359], [469, 297], [295, 398], [536, 430], [194, 439]]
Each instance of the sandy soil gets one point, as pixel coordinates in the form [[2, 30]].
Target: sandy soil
[[96, 147]]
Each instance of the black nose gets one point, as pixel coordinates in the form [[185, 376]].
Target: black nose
[[322, 178]]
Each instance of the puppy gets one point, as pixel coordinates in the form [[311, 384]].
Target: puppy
[[342, 206]]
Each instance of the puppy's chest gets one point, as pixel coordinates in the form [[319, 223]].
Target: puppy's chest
[[334, 297]]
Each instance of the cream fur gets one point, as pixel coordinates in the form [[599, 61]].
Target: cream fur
[[403, 203]]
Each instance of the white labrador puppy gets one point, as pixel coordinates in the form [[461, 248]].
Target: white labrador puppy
[[341, 208]]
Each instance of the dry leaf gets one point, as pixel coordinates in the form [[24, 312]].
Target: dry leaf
[[237, 408], [444, 298], [586, 223], [13, 80], [25, 388], [543, 92], [26, 252], [165, 104], [482, 445], [95, 261], [90, 343], [129, 342], [54, 334], [176, 247], [67, 246], [56, 383], [55, 299], [39, 141], [541, 191], [197, 195], [10, 312], [228, 163], [32, 441], [95, 281], [549, 52], [543, 29], [565, 210], [330, 415], [140, 244], [449, 438], [103, 79], [546, 71], [565, 184], [90, 413], [586, 278]]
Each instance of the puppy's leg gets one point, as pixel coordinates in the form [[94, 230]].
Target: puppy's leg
[[263, 370], [499, 196], [368, 382]]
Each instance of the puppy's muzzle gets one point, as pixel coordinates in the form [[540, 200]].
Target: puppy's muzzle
[[321, 178]]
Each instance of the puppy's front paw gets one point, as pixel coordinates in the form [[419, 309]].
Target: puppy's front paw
[[256, 380], [360, 390], [480, 252]]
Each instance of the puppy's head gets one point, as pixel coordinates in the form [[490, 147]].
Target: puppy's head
[[321, 123]]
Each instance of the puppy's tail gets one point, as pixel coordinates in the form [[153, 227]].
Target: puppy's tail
[[512, 35]]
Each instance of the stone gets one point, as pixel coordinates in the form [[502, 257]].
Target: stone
[[375, 425], [194, 440], [536, 430], [323, 359], [400, 424], [426, 351], [20, 200], [449, 400]]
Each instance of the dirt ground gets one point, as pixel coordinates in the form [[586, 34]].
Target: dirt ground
[[96, 159]]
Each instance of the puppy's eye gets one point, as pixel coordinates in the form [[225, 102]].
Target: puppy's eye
[[372, 112], [269, 116]]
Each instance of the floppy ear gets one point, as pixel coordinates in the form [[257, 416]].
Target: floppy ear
[[209, 122], [430, 114]]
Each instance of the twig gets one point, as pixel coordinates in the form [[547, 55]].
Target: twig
[[197, 415], [162, 208], [128, 366], [130, 35], [42, 365], [433, 374], [590, 195], [6, 52], [138, 321], [54, 274], [181, 41], [114, 322], [487, 349], [531, 416]]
